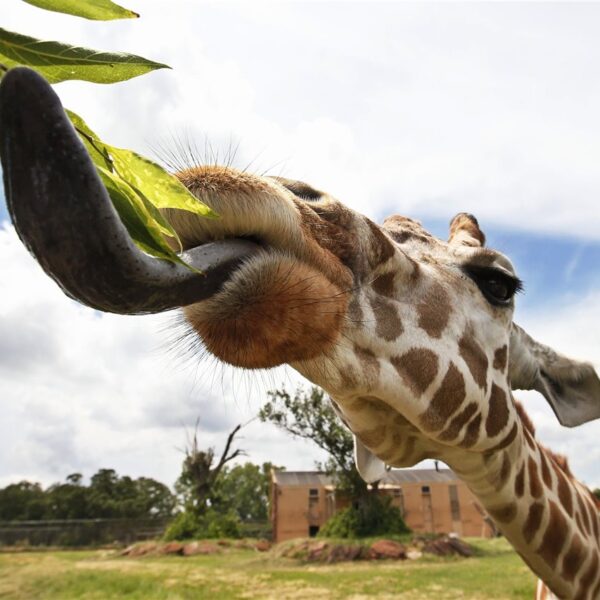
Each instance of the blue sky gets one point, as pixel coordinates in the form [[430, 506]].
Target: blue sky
[[421, 109]]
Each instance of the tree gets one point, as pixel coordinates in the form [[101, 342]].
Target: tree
[[68, 500], [245, 489], [22, 501], [156, 499], [199, 473], [107, 496], [309, 415]]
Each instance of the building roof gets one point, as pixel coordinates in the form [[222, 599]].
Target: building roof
[[297, 478], [399, 476], [393, 478]]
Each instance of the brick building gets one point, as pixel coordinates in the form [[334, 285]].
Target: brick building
[[431, 501]]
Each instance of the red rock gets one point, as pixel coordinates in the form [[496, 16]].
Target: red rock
[[448, 546], [141, 549], [263, 545], [194, 548], [315, 551], [387, 549], [171, 548]]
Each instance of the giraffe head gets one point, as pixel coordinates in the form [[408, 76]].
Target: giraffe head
[[411, 336]]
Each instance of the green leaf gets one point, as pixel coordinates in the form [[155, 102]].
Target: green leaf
[[100, 154], [161, 188], [95, 147], [97, 10], [136, 218], [155, 185], [61, 62], [138, 187]]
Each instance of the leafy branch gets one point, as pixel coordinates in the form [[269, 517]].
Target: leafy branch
[[137, 186]]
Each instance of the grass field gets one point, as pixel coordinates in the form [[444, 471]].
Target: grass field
[[496, 573]]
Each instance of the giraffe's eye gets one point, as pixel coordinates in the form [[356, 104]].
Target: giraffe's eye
[[497, 286]]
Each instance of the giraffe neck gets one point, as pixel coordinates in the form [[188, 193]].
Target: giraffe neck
[[550, 519]]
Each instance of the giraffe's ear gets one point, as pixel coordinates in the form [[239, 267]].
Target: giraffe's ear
[[369, 467], [572, 388]]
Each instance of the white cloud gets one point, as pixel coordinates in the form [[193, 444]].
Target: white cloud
[[420, 109]]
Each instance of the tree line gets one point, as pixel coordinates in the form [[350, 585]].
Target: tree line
[[241, 490]]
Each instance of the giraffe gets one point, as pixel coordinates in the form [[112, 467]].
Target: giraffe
[[411, 336]]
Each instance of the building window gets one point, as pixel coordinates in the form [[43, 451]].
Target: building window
[[425, 489], [313, 497], [313, 530], [399, 500], [454, 502]]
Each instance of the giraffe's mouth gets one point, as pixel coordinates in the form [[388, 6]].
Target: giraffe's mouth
[[65, 218]]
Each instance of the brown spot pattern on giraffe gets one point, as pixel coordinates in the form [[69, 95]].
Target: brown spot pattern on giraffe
[[594, 518], [355, 312], [505, 513], [372, 437], [529, 439], [596, 590], [417, 367], [584, 515], [384, 284], [564, 492], [458, 422], [535, 485], [573, 558], [533, 521], [498, 414], [507, 441], [475, 358], [520, 481], [388, 323], [434, 311], [502, 475], [472, 433], [369, 363], [588, 578], [546, 475], [579, 522], [553, 540], [446, 400], [501, 359], [409, 446]]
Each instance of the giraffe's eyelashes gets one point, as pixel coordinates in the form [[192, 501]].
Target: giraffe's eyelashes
[[497, 286]]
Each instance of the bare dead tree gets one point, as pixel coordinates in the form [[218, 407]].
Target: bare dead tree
[[199, 473]]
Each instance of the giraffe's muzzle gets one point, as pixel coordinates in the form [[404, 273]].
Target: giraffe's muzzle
[[64, 216]]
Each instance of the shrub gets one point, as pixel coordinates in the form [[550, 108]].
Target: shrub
[[188, 525], [373, 516]]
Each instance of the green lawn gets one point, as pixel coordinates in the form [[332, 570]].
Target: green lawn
[[496, 573]]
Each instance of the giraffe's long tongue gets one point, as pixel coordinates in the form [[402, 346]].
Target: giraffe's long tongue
[[65, 218]]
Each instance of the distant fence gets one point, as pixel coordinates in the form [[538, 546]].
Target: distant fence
[[80, 532]]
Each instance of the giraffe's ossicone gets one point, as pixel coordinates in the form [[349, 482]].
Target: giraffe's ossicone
[[411, 336]]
